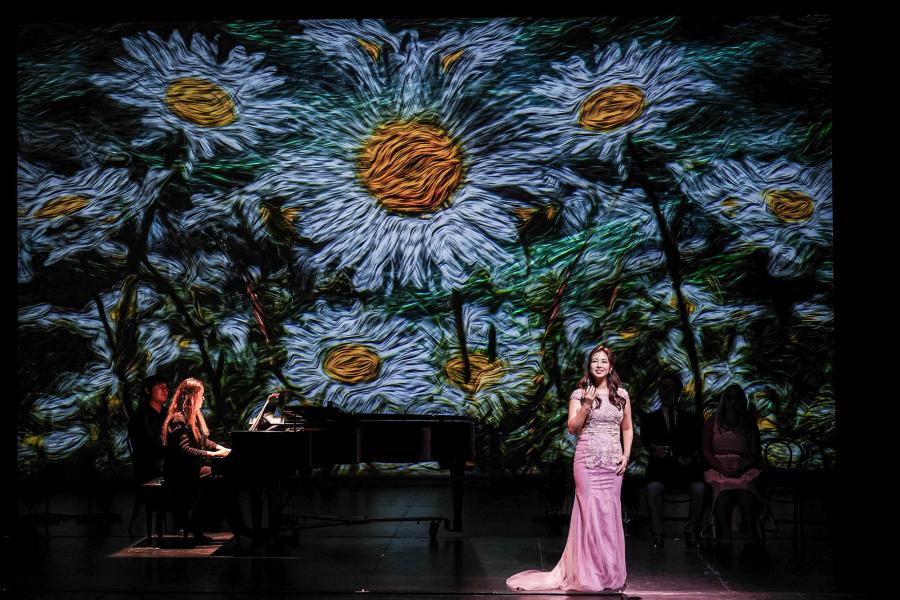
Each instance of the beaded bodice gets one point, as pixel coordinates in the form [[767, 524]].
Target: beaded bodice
[[600, 436]]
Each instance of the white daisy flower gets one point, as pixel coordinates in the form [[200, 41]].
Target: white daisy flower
[[202, 271], [64, 443], [611, 231], [413, 185], [704, 308], [782, 207], [234, 331], [98, 379], [648, 259], [646, 308], [586, 203], [153, 334], [814, 313], [778, 408], [62, 216], [155, 337], [357, 359], [74, 395], [24, 270], [85, 323], [357, 48], [207, 274], [734, 369], [673, 356], [623, 325], [502, 358], [766, 396], [703, 311], [590, 111], [77, 393], [185, 89], [825, 273]]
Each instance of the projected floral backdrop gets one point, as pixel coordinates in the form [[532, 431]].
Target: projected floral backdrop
[[434, 217]]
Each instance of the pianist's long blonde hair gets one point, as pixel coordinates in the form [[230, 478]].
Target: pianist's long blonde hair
[[187, 401]]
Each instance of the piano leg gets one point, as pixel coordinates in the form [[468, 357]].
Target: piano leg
[[267, 494], [274, 510], [457, 472], [256, 496]]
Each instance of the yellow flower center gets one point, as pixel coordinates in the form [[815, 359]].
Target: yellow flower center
[[627, 334], [448, 60], [373, 49], [789, 205], [64, 205], [525, 214], [611, 107], [691, 307], [352, 363], [411, 168], [730, 206], [201, 102], [289, 214], [482, 373], [766, 424]]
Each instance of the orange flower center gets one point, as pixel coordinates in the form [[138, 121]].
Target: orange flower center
[[611, 107], [352, 363], [201, 102], [411, 168]]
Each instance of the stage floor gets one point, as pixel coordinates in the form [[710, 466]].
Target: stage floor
[[71, 557]]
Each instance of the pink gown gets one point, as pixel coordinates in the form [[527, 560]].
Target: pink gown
[[730, 448], [594, 557]]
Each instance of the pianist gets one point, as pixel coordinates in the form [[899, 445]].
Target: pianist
[[145, 431], [188, 448]]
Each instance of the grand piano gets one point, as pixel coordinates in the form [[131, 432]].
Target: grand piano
[[278, 447]]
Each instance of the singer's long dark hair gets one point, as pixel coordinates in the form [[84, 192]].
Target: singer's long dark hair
[[613, 382]]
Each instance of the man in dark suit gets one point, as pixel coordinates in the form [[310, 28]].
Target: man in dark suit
[[672, 438], [145, 431]]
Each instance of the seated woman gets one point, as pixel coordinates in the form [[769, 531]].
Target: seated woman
[[187, 446], [731, 449]]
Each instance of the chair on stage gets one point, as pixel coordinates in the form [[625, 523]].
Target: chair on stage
[[677, 507], [785, 479], [157, 503], [154, 497]]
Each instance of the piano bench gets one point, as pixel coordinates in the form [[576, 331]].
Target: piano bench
[[157, 501]]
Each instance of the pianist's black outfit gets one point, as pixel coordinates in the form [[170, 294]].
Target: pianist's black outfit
[[145, 435], [195, 491]]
